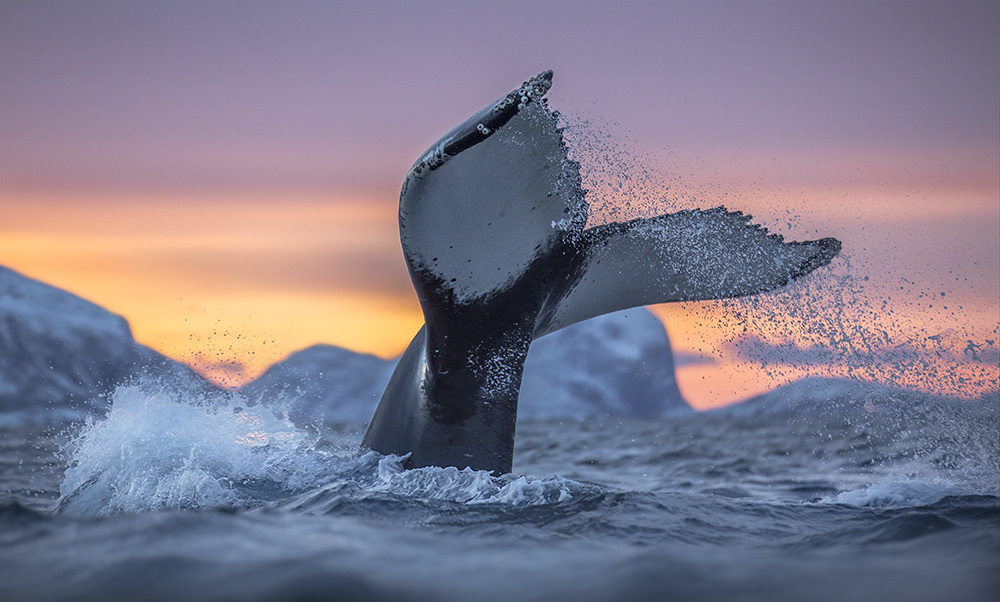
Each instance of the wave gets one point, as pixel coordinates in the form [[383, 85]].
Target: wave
[[162, 448], [896, 494]]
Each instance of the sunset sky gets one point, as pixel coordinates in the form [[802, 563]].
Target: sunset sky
[[225, 174]]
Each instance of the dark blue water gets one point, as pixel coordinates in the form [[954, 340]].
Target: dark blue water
[[168, 499]]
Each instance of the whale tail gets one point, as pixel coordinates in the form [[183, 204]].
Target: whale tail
[[492, 222]]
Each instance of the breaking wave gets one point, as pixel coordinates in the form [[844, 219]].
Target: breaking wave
[[160, 448]]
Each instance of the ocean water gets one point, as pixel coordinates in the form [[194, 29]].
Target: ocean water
[[175, 498]]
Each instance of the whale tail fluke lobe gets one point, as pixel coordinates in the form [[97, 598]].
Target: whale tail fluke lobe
[[691, 255], [493, 227]]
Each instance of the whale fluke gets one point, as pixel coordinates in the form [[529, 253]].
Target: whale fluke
[[690, 255], [492, 223]]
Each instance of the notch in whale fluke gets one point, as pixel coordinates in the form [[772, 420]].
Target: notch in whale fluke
[[492, 224]]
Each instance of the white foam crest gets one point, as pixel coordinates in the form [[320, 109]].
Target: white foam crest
[[474, 486], [160, 448], [895, 494]]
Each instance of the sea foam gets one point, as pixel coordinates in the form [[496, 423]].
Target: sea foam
[[162, 448], [896, 494], [474, 486]]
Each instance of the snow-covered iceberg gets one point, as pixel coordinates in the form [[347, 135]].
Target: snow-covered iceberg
[[619, 364], [60, 355], [615, 365], [861, 402], [323, 382]]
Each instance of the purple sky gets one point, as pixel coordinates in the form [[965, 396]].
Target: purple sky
[[229, 95]]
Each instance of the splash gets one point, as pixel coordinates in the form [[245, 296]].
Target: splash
[[620, 183], [837, 324], [474, 486], [164, 448], [895, 494], [858, 318]]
